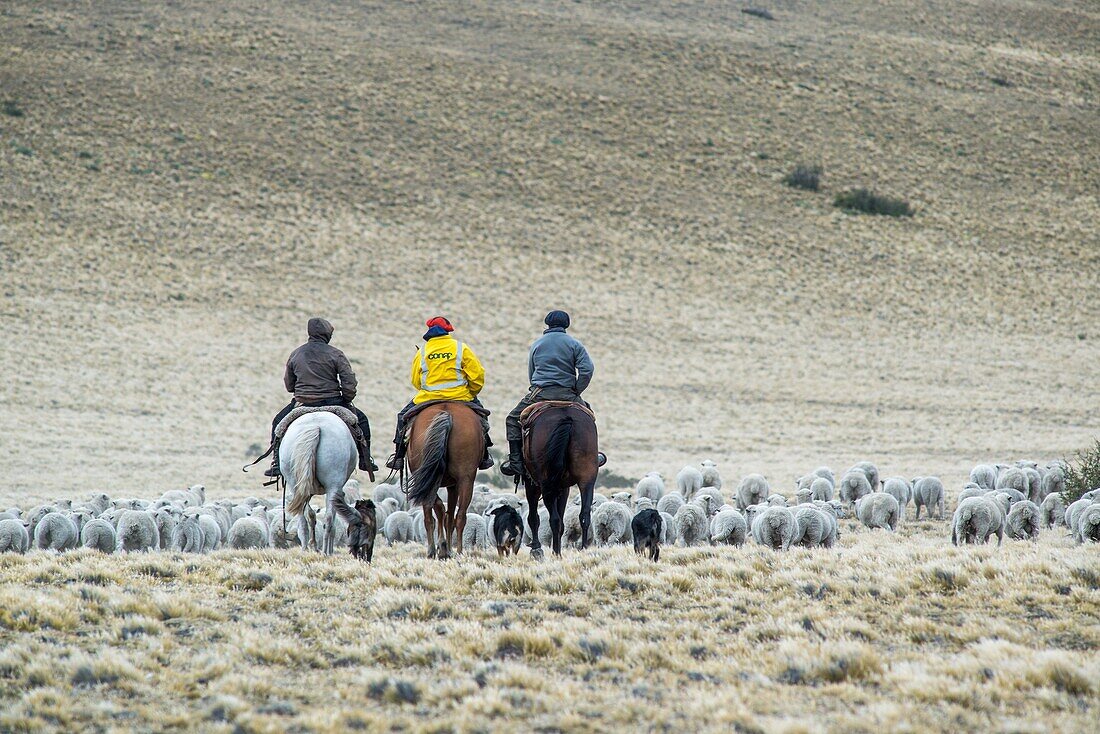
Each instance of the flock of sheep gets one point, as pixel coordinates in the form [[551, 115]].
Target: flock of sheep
[[999, 500]]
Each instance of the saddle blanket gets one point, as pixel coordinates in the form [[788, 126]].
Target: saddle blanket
[[339, 411]]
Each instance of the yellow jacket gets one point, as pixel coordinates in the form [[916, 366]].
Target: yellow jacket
[[446, 369]]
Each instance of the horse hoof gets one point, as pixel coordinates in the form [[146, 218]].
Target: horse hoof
[[431, 553], [537, 554]]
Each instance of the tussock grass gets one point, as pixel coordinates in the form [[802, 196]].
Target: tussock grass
[[807, 178], [942, 637], [864, 201]]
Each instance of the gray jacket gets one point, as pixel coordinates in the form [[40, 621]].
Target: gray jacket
[[559, 360]]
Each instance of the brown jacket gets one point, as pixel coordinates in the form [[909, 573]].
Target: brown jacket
[[316, 371]]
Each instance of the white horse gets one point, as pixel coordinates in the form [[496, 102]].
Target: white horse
[[316, 456]]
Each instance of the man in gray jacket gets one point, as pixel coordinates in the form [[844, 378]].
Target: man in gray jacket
[[558, 368], [320, 374]]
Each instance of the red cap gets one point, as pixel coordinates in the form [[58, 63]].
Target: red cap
[[441, 322]]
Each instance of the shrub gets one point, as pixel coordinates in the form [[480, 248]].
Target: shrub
[[804, 177], [1082, 474], [758, 13], [611, 480], [11, 108], [868, 202]]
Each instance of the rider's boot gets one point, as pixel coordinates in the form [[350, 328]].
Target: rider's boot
[[398, 456], [274, 470], [513, 467], [366, 463], [486, 460]]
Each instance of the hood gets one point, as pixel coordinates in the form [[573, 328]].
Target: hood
[[319, 330], [435, 331]]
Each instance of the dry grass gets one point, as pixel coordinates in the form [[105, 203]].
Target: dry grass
[[895, 633]]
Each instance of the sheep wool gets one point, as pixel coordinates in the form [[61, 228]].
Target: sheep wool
[[1023, 521], [975, 520], [14, 537], [752, 490], [689, 481], [774, 527], [98, 534], [879, 510]]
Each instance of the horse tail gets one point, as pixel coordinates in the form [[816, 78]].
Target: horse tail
[[304, 460], [425, 480], [556, 451]]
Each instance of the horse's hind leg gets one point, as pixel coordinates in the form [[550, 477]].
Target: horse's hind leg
[[557, 519], [329, 542], [533, 521], [465, 491], [441, 516], [429, 531]]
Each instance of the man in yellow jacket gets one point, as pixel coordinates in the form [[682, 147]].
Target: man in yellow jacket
[[443, 369]]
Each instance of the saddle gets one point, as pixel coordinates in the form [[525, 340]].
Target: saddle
[[415, 410], [533, 411], [339, 411]]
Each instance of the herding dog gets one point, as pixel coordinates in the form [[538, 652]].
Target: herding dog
[[362, 525], [507, 530], [647, 527]]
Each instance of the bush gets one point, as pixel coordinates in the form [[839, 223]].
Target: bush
[[868, 202], [611, 480], [1082, 474], [804, 177], [11, 108]]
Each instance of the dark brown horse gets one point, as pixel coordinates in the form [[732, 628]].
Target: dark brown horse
[[560, 452], [446, 444]]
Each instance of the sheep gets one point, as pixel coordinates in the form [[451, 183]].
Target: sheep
[[571, 535], [221, 516], [474, 535], [825, 472], [928, 493], [669, 533], [879, 510], [212, 538], [821, 489], [984, 475], [689, 481], [56, 531], [1023, 521], [870, 471], [99, 502], [35, 515], [99, 534], [646, 531], [1053, 510], [1092, 495], [711, 477], [803, 496], [1088, 525], [644, 503], [383, 491], [611, 523], [167, 518], [623, 498], [900, 490], [838, 508], [388, 506], [188, 536], [804, 482], [776, 500], [12, 513], [250, 532], [479, 502], [854, 485], [1073, 513], [975, 520], [284, 530], [728, 527], [399, 528], [137, 531], [714, 498], [670, 503], [419, 532], [814, 526], [691, 523], [971, 490], [1053, 482], [1013, 495], [752, 490], [1034, 490], [774, 527], [651, 486], [752, 511], [14, 537], [1015, 478]]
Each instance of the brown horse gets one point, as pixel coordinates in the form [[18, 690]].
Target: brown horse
[[446, 444], [560, 452]]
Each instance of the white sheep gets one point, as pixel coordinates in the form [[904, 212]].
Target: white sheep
[[976, 519], [383, 491], [1053, 510], [669, 532], [899, 489], [284, 530], [35, 515], [870, 471], [984, 475], [99, 535], [711, 477], [14, 537], [814, 526], [611, 524], [1013, 495], [643, 503], [1073, 513], [399, 528], [651, 486], [853, 485], [777, 500], [825, 473], [971, 490], [221, 516], [1023, 521], [1088, 525], [571, 535], [670, 503], [623, 498], [728, 527], [692, 523], [803, 496], [752, 490], [1034, 484], [752, 511], [928, 493], [1015, 478], [188, 536], [822, 488], [1053, 482], [715, 500], [99, 502], [137, 531], [474, 535], [774, 527], [388, 506], [689, 481], [879, 510], [250, 532], [56, 531], [212, 537], [167, 518]]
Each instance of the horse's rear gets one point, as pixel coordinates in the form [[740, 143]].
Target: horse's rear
[[562, 451], [316, 456], [446, 444]]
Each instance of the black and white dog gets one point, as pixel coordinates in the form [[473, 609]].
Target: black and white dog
[[506, 529], [647, 527]]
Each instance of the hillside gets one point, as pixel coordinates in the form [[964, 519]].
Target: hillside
[[183, 185]]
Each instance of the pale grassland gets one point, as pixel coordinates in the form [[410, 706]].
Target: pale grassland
[[885, 633]]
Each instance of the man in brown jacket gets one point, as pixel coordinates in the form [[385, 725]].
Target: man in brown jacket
[[319, 374]]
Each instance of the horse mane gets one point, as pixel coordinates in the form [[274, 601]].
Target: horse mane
[[556, 450], [425, 480], [304, 469]]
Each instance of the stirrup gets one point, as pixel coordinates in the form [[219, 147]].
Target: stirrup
[[508, 470], [601, 458], [394, 463]]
